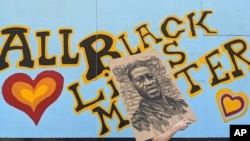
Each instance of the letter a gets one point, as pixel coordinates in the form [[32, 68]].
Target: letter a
[[237, 132]]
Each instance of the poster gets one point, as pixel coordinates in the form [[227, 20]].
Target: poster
[[153, 101]]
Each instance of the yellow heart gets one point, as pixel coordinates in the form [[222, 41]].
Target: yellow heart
[[231, 105], [30, 96]]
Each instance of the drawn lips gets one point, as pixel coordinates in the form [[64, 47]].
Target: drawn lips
[[153, 90], [33, 96]]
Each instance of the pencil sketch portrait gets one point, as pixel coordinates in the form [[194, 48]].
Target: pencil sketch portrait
[[152, 99]]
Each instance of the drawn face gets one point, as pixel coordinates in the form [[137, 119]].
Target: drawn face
[[145, 82]]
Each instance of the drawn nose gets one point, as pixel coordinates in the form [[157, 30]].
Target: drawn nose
[[148, 81]]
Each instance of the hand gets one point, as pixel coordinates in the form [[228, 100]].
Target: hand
[[181, 125]]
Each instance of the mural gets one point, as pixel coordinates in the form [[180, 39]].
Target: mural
[[56, 81]]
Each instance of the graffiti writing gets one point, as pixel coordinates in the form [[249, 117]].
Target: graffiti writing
[[16, 40]]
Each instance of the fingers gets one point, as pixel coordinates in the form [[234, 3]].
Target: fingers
[[187, 121]]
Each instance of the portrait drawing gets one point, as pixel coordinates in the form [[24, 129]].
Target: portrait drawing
[[150, 95]]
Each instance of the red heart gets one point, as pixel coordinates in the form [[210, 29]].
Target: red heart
[[33, 96]]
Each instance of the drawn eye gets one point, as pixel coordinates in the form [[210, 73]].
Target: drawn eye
[[150, 76], [139, 79]]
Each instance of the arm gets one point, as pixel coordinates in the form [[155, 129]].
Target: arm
[[181, 125]]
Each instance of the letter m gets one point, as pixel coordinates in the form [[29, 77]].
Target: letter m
[[102, 114]]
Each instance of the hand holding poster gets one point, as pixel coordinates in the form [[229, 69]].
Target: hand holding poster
[[152, 99]]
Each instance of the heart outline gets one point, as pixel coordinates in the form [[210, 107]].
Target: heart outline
[[236, 113], [44, 104], [233, 100]]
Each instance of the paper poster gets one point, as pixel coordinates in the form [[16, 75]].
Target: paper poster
[[151, 97]]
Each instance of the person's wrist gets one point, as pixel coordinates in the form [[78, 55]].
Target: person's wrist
[[174, 128]]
